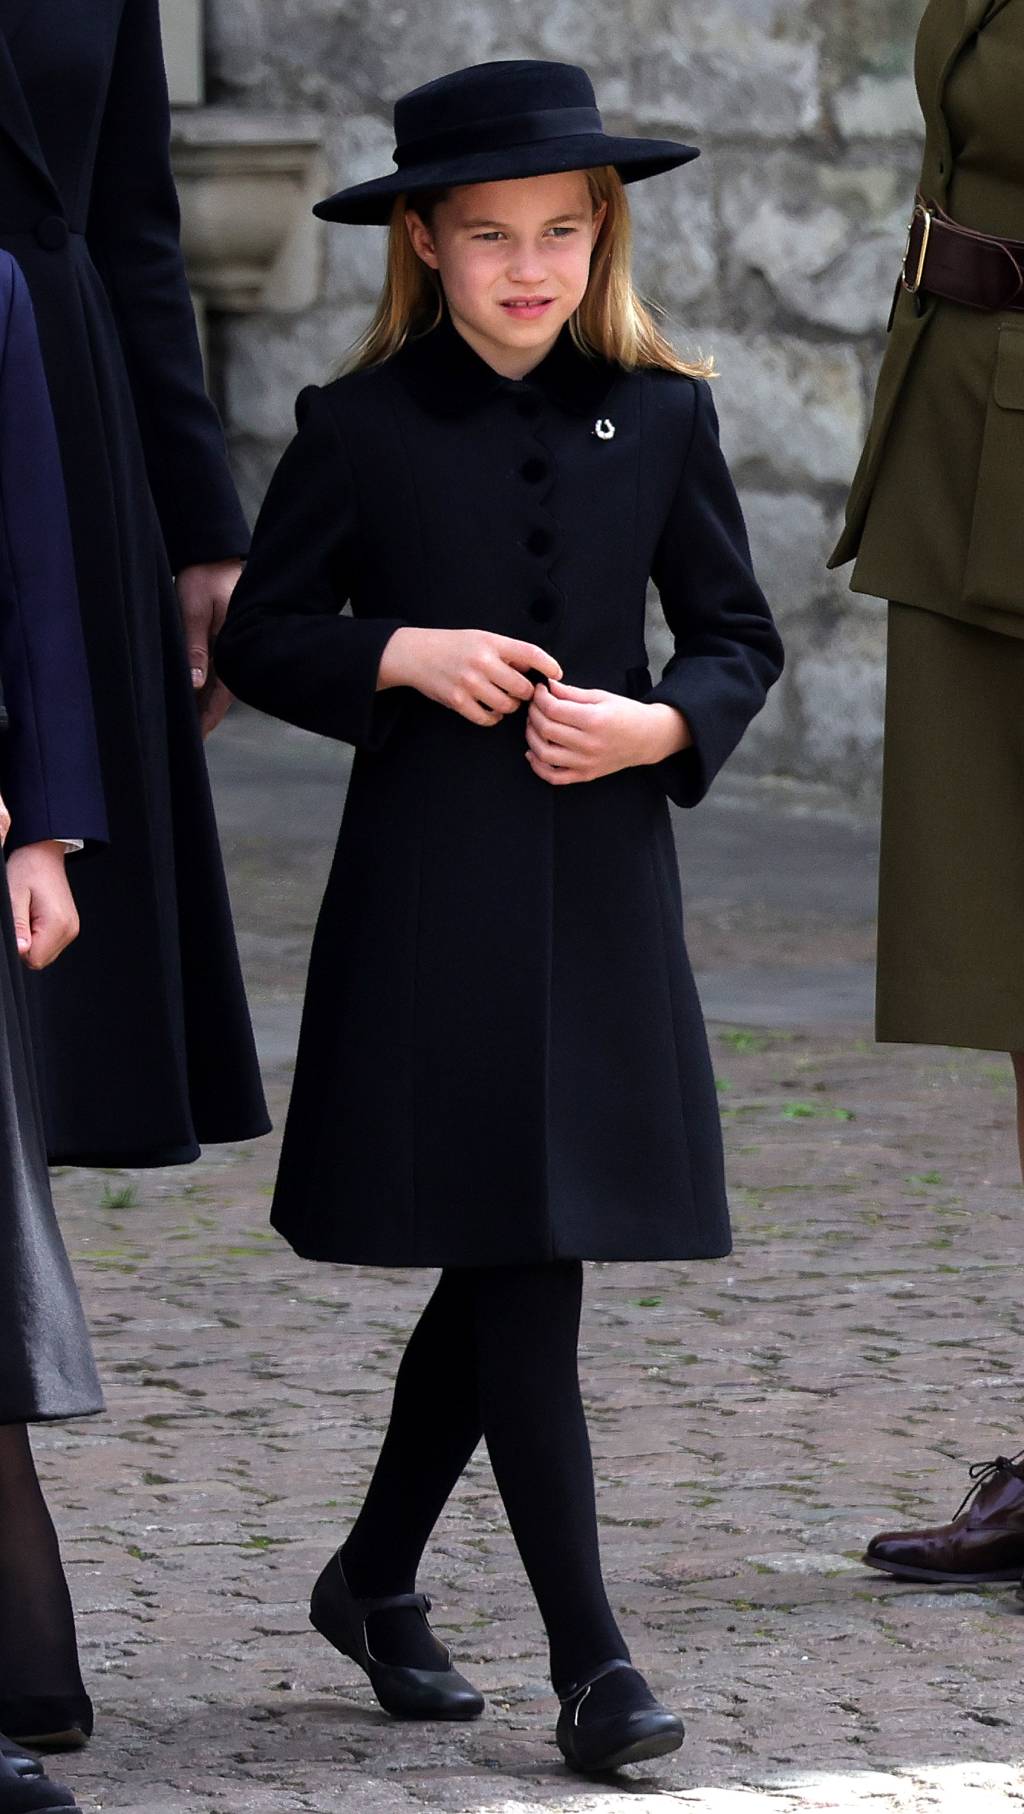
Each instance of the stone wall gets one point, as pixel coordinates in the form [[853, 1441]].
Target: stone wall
[[776, 252]]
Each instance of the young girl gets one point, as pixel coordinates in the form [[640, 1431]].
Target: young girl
[[503, 1069]]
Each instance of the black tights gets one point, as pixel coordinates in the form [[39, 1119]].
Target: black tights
[[38, 1651], [494, 1356]]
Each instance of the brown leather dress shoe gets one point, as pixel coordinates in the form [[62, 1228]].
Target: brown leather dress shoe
[[983, 1542]]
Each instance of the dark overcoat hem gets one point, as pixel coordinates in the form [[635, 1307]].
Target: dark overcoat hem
[[431, 1258]]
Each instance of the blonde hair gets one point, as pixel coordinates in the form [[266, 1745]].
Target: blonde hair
[[612, 321]]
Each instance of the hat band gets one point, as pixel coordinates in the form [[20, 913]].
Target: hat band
[[504, 134]]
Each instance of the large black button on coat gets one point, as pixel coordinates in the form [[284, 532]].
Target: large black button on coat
[[141, 1030], [502, 1055], [52, 233]]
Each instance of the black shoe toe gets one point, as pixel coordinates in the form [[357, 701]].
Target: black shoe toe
[[593, 1743], [24, 1786], [405, 1693]]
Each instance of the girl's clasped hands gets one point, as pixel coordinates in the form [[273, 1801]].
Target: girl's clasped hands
[[572, 733]]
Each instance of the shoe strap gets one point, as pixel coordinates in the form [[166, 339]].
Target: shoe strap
[[392, 1603], [605, 1669]]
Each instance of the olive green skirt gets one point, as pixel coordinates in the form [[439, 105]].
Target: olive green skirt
[[951, 889]]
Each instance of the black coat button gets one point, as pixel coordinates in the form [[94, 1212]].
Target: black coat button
[[542, 609], [540, 541], [529, 406], [52, 232], [534, 470]]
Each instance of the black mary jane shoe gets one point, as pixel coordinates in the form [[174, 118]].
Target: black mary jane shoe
[[411, 1694], [595, 1742], [48, 1722], [24, 1786]]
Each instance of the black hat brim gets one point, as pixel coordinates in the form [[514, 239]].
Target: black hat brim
[[370, 204]]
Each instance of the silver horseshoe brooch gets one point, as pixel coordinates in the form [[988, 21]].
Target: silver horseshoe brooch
[[604, 428]]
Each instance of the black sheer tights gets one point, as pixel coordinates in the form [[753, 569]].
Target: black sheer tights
[[40, 1681], [494, 1355]]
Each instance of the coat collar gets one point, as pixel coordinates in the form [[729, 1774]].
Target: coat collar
[[15, 118], [448, 378]]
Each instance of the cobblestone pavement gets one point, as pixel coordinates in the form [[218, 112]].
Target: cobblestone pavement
[[754, 1420]]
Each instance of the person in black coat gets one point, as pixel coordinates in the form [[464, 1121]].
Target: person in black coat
[[52, 799], [503, 1069], [142, 1034]]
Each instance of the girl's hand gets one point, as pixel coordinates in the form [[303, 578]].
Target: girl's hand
[[204, 593], [45, 916], [481, 676], [581, 733], [5, 822]]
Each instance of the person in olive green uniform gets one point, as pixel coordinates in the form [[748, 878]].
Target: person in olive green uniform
[[936, 521]]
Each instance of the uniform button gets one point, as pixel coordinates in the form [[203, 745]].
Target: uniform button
[[52, 232], [542, 610], [528, 406], [534, 470], [540, 541]]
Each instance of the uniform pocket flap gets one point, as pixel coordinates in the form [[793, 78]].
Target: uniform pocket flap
[[1009, 381]]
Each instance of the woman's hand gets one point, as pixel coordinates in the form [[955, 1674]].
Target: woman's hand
[[45, 916], [581, 733], [5, 822], [481, 676], [204, 593]]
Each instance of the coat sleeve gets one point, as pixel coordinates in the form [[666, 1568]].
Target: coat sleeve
[[285, 647], [134, 237], [49, 767], [727, 649]]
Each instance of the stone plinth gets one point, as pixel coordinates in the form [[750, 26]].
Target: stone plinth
[[247, 183]]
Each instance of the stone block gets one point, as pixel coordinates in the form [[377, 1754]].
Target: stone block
[[878, 107], [824, 239], [433, 36], [247, 182], [839, 691], [791, 537], [675, 237], [733, 68], [237, 46], [872, 39], [790, 412], [358, 149], [269, 360], [296, 52]]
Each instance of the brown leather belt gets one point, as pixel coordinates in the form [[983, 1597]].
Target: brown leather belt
[[944, 259]]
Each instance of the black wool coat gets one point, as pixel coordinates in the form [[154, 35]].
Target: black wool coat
[[141, 1031], [502, 1055], [50, 780]]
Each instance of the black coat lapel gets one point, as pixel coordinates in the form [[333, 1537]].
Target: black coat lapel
[[15, 118]]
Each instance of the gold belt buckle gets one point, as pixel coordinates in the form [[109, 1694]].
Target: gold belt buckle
[[926, 215]]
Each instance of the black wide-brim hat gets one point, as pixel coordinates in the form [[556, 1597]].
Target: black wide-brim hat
[[493, 123]]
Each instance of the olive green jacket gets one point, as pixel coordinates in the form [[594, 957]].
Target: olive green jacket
[[936, 511]]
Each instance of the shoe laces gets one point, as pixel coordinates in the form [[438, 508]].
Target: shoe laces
[[981, 1472]]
